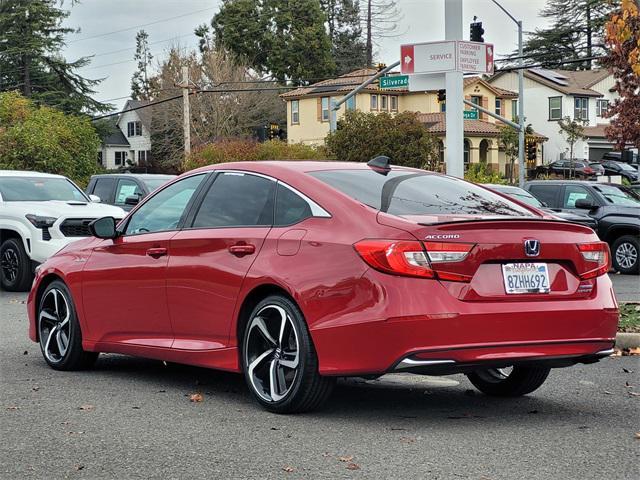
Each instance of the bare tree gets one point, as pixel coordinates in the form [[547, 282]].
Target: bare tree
[[381, 18]]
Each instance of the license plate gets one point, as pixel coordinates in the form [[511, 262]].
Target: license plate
[[525, 278]]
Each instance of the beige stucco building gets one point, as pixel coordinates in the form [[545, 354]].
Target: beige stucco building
[[308, 113]]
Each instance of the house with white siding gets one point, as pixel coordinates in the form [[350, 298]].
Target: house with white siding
[[130, 143], [551, 95]]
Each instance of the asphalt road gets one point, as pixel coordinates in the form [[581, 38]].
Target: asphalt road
[[627, 287], [132, 418]]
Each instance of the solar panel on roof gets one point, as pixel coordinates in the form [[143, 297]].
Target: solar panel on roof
[[551, 75]]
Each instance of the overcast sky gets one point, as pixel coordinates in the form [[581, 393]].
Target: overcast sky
[[173, 21]]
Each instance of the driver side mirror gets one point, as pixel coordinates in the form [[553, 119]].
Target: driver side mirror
[[104, 227], [584, 203], [132, 200]]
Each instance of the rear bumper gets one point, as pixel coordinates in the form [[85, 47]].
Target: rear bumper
[[433, 326]]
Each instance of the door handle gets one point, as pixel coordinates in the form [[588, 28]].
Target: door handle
[[157, 252], [242, 249]]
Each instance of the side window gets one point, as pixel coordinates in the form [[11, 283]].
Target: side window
[[237, 200], [164, 210], [103, 188], [290, 207], [126, 188], [545, 193], [573, 193]]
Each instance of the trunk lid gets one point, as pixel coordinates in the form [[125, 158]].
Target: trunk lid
[[499, 241]]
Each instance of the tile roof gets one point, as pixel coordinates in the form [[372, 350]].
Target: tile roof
[[436, 124], [597, 131]]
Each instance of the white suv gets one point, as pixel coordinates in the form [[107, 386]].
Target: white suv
[[39, 214]]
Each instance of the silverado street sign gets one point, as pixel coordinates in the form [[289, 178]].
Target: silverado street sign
[[447, 56], [394, 81]]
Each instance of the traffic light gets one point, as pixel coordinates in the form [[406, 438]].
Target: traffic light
[[442, 95], [476, 32], [531, 151]]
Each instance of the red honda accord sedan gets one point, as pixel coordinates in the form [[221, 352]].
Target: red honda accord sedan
[[295, 273]]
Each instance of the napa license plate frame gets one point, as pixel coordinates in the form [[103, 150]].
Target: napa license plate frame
[[525, 278]]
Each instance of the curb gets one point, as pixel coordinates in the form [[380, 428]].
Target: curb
[[627, 340]]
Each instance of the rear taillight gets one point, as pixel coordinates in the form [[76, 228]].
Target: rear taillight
[[589, 170], [597, 257], [413, 258]]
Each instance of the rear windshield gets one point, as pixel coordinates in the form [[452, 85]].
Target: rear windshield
[[153, 183], [404, 192]]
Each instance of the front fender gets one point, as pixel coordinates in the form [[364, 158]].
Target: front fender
[[20, 229]]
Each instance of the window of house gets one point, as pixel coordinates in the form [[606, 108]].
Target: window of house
[[498, 106], [121, 158], [555, 108], [143, 156], [237, 200], [99, 158], [601, 107], [374, 102], [394, 103], [514, 110], [351, 103], [443, 106], [295, 112], [384, 103], [325, 109], [476, 100], [581, 108], [134, 129]]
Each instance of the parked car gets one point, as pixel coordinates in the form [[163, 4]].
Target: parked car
[[522, 195], [625, 170], [295, 273], [567, 169], [125, 190], [631, 158], [615, 208], [39, 214], [597, 167]]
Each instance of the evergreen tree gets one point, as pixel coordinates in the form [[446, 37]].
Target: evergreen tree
[[345, 33], [278, 37], [31, 38], [576, 31], [141, 87]]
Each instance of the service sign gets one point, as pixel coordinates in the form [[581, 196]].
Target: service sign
[[447, 56]]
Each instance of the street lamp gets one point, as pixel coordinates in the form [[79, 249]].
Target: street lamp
[[521, 167]]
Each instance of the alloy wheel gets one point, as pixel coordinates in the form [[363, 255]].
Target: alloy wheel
[[272, 353], [10, 264], [626, 255], [54, 325]]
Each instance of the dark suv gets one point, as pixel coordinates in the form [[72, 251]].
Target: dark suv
[[625, 170], [567, 169], [125, 190], [615, 208]]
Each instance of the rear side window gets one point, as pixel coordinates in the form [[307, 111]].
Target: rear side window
[[103, 188], [237, 200], [547, 194], [405, 192], [290, 207]]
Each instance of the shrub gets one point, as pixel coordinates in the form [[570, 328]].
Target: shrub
[[242, 150], [44, 139], [482, 173]]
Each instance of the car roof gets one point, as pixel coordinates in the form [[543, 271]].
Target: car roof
[[136, 175], [27, 173]]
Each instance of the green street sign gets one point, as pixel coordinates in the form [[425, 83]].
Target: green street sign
[[470, 114], [394, 81]]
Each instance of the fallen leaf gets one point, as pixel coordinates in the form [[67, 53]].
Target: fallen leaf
[[628, 385], [533, 411], [634, 394], [196, 397], [78, 467], [136, 408], [407, 440], [35, 389], [161, 391], [346, 458], [288, 469], [275, 428], [13, 407], [626, 370], [637, 435], [25, 353], [75, 433], [326, 454], [353, 466], [607, 392], [86, 407], [616, 352], [634, 351]]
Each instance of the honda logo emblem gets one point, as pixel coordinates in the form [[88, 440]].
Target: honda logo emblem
[[532, 248]]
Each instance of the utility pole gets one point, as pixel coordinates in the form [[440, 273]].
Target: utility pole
[[186, 116], [454, 152]]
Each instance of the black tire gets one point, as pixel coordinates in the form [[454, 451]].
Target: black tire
[[307, 389], [520, 381], [625, 255], [15, 266], [58, 297]]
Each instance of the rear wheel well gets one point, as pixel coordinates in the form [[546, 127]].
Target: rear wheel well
[[44, 283], [251, 300]]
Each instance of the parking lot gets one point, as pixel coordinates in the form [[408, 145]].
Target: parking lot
[[133, 418]]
